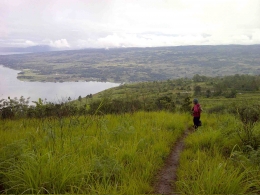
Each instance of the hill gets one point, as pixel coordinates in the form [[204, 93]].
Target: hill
[[99, 148], [136, 64], [174, 94]]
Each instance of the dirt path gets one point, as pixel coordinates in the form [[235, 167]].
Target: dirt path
[[166, 177]]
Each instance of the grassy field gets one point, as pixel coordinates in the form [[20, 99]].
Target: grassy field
[[86, 155], [213, 160], [120, 154]]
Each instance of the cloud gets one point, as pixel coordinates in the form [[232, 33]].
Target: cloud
[[18, 43], [62, 43], [149, 40], [30, 43], [256, 36], [128, 23], [155, 40]]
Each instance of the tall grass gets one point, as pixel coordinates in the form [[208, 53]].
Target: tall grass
[[112, 154], [208, 164], [200, 173]]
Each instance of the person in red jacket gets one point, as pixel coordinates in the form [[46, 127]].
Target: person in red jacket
[[196, 110]]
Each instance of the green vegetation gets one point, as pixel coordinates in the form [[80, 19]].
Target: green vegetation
[[120, 154], [135, 64], [112, 154], [217, 94], [218, 161], [115, 142]]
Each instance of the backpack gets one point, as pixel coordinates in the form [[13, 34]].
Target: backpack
[[196, 108]]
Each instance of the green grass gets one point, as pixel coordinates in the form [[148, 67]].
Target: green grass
[[210, 164], [206, 174], [120, 154], [112, 154]]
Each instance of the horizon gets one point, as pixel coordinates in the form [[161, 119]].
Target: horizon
[[107, 48]]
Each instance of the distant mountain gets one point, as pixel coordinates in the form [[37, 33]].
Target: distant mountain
[[32, 49]]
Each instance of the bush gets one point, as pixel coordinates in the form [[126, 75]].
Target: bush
[[218, 109]]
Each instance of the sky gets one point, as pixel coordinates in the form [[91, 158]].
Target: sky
[[76, 24]]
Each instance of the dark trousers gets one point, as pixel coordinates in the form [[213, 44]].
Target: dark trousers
[[196, 122]]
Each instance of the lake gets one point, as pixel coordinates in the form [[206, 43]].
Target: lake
[[53, 92]]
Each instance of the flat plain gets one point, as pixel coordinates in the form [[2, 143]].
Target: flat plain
[[135, 64]]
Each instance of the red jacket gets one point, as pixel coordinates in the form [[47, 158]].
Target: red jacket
[[196, 110]]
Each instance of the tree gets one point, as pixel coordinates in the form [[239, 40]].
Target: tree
[[208, 93], [186, 105], [165, 103], [231, 94], [198, 78], [80, 98], [197, 90]]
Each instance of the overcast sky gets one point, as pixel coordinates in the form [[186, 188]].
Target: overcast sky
[[128, 23]]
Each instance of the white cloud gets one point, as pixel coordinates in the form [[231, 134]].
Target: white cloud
[[155, 40], [18, 43], [62, 43], [30, 43], [117, 23], [256, 36]]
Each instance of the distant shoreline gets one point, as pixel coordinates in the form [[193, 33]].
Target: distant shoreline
[[13, 53], [10, 86], [34, 79], [130, 65]]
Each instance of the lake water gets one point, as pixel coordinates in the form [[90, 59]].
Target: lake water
[[53, 92]]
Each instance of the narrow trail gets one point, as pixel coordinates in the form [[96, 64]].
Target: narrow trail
[[167, 176]]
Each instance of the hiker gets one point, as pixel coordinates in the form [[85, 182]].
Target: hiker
[[196, 110]]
